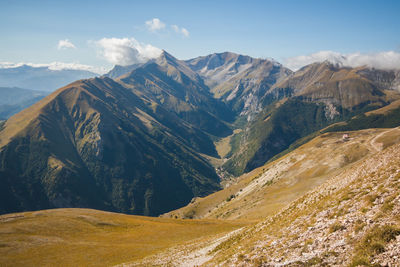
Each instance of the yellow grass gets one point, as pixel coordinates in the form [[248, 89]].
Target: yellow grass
[[290, 177], [385, 109], [83, 237], [223, 146]]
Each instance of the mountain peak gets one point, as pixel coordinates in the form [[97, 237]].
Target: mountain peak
[[165, 54], [166, 58], [171, 65], [120, 70], [101, 123]]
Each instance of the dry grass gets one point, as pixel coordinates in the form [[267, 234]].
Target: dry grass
[[82, 237], [373, 243], [266, 190], [223, 146], [389, 138], [386, 109]]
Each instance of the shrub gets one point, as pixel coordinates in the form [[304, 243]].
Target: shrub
[[336, 227], [373, 243], [230, 198], [388, 205]]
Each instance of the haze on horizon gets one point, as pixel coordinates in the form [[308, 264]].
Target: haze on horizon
[[96, 35]]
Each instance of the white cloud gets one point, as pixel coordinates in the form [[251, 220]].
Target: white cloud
[[179, 30], [126, 51], [175, 28], [380, 60], [65, 44], [185, 32], [55, 66], [155, 24]]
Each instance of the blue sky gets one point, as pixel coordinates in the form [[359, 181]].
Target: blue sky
[[31, 30]]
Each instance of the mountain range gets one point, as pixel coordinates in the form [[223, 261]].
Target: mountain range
[[334, 201], [40, 78], [147, 138], [245, 162], [14, 99]]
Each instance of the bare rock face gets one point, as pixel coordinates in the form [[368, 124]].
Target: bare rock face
[[341, 86], [388, 79], [119, 70], [241, 81]]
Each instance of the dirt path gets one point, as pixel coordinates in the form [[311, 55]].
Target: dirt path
[[189, 255], [202, 255], [378, 146], [375, 145]]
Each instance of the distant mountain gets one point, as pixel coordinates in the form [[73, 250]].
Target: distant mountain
[[306, 101], [384, 78], [14, 99], [334, 85], [223, 136], [171, 83], [130, 145], [143, 143], [96, 144], [239, 80], [119, 70], [40, 78]]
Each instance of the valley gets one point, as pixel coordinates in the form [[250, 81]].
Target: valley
[[14, 100], [266, 190], [217, 160], [340, 220], [338, 190]]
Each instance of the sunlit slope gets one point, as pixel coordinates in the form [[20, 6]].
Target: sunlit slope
[[306, 101], [170, 83], [267, 189], [83, 237], [350, 220], [96, 144]]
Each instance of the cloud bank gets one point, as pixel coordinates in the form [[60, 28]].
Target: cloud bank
[[65, 44], [155, 24], [55, 66], [126, 51], [380, 60]]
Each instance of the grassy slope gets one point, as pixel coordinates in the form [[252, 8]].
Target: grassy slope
[[385, 117], [78, 237], [350, 220], [323, 94], [267, 189], [95, 144], [83, 237]]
